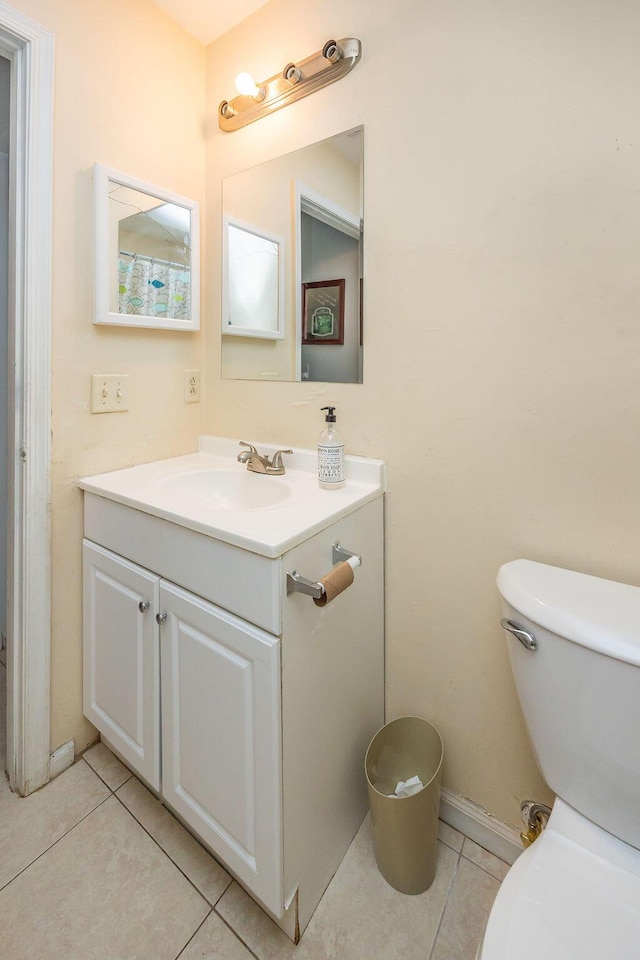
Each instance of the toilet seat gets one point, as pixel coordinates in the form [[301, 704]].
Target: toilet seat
[[573, 895]]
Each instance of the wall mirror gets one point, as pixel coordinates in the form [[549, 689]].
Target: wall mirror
[[292, 290], [147, 254]]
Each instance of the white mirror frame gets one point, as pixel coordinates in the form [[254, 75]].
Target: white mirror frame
[[102, 312], [227, 327]]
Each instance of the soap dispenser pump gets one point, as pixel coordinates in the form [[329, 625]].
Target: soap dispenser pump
[[330, 454]]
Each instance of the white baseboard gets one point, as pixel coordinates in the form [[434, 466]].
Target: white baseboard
[[472, 820], [61, 758]]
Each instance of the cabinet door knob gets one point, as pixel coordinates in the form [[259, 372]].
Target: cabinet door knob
[[161, 617], [143, 606]]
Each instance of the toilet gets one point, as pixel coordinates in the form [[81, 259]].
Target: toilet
[[574, 646]]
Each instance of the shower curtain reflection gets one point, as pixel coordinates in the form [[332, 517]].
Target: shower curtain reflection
[[150, 287]]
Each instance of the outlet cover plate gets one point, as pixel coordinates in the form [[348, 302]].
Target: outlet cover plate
[[191, 386]]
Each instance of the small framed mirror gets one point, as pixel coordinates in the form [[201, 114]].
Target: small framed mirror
[[253, 284], [147, 247]]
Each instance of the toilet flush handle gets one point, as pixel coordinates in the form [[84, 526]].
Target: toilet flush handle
[[526, 639]]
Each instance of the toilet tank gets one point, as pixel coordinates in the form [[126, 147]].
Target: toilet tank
[[580, 689]]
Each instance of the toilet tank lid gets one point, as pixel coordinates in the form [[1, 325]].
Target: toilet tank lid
[[600, 614]]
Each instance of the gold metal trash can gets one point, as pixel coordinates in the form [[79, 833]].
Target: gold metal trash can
[[405, 829]]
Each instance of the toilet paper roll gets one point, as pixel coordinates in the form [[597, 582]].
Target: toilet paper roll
[[334, 583]]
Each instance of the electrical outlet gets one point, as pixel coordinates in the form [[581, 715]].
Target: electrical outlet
[[191, 386], [109, 392]]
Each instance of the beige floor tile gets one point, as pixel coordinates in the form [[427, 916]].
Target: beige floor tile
[[453, 838], [253, 926], [199, 866], [104, 892], [214, 941], [482, 858], [30, 825], [466, 914], [360, 915], [107, 766]]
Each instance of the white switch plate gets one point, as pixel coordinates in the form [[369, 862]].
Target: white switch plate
[[191, 386], [109, 392]]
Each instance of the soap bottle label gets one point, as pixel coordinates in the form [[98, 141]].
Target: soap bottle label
[[331, 463]]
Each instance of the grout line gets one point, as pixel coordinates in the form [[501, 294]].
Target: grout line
[[444, 908], [170, 858], [451, 847], [188, 879], [199, 927], [237, 935], [114, 793], [55, 842], [100, 777], [484, 870], [479, 865]]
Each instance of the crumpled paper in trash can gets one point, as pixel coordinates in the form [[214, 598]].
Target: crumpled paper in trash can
[[406, 788]]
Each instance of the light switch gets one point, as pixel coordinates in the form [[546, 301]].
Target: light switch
[[109, 392]]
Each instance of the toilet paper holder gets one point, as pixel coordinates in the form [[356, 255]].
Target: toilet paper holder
[[311, 588]]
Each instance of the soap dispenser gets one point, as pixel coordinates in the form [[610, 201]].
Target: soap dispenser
[[330, 454]]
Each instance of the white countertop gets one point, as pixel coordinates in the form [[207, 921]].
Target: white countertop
[[264, 514]]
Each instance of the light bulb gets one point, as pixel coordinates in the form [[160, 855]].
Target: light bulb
[[246, 85]]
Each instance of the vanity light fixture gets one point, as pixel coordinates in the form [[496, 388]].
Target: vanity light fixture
[[335, 60]]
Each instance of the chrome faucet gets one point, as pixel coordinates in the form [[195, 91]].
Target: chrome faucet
[[259, 464]]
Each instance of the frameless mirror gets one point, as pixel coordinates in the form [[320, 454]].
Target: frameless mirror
[[147, 254], [292, 265]]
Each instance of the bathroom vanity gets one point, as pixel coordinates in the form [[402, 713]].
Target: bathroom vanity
[[242, 704]]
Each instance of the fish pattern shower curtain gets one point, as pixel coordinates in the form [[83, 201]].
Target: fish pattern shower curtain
[[153, 288]]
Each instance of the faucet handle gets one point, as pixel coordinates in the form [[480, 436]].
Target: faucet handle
[[246, 455], [276, 460]]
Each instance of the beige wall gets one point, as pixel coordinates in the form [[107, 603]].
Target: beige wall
[[129, 94], [501, 291], [502, 332]]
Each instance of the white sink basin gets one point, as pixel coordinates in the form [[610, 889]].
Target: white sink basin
[[212, 493], [230, 489]]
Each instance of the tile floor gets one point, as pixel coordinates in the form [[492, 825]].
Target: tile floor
[[93, 868]]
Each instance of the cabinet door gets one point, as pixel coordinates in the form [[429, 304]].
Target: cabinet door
[[121, 658], [221, 741]]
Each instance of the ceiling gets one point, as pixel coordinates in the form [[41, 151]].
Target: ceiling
[[206, 20]]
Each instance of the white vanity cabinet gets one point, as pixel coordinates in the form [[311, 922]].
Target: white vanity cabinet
[[216, 722], [246, 707]]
